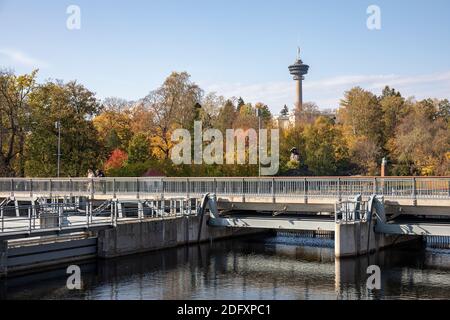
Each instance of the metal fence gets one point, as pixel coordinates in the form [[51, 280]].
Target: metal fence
[[350, 211], [409, 188], [64, 216]]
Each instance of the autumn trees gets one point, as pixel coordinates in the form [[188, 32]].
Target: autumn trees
[[28, 137], [422, 141], [172, 106], [14, 120], [131, 138], [412, 135], [74, 106]]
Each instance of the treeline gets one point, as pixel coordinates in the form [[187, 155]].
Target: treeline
[[134, 138], [413, 136]]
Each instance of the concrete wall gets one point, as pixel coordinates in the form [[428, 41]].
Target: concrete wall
[[351, 239], [3, 258], [137, 237]]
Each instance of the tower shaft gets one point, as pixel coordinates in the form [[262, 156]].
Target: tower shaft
[[299, 103], [298, 70]]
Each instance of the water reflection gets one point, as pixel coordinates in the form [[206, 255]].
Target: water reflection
[[250, 268]]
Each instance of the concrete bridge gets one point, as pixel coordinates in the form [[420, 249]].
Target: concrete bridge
[[364, 213]]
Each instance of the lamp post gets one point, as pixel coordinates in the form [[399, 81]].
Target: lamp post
[[58, 126]]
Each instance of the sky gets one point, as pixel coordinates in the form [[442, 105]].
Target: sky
[[233, 47]]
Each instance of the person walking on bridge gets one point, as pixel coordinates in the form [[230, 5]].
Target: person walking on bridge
[[90, 175]]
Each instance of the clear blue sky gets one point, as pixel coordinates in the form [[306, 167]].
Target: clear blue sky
[[234, 47]]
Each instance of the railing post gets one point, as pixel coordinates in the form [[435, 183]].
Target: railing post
[[273, 190], [137, 188], [305, 181], [116, 215], [12, 187], [71, 188], [34, 213], [375, 186], [448, 184], [243, 190], [29, 220], [188, 188], [114, 188], [163, 200], [414, 192], [60, 216], [31, 188], [140, 211], [112, 212], [50, 187], [339, 189], [92, 188], [336, 213], [88, 206]]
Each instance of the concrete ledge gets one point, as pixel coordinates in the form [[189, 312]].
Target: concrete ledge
[[3, 258], [351, 239], [138, 237]]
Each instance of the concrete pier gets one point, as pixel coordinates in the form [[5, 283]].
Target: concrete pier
[[358, 238], [138, 237]]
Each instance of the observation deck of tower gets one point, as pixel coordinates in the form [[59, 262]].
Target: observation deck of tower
[[299, 70]]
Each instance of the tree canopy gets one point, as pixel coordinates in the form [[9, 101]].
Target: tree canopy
[[131, 138]]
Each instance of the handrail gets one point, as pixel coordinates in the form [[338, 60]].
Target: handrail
[[395, 187], [233, 177]]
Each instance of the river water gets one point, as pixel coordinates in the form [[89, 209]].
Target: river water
[[258, 267]]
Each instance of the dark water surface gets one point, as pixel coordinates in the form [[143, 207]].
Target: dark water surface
[[261, 267]]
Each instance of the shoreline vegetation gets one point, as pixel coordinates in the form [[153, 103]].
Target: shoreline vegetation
[[132, 139]]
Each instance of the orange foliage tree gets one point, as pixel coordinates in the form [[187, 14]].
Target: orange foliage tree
[[116, 160]]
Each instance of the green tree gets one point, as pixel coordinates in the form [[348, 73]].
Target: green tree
[[114, 129], [264, 112], [389, 92], [14, 120], [290, 138], [239, 104], [139, 149], [74, 106], [112, 141], [361, 111], [361, 116], [226, 117], [325, 150]]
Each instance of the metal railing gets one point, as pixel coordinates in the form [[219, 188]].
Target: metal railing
[[337, 187], [349, 211], [51, 216], [63, 216]]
